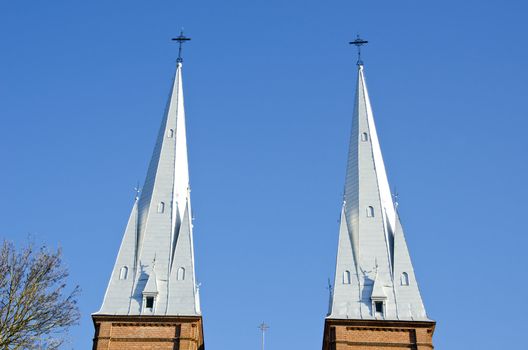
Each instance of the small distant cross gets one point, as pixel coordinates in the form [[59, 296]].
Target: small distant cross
[[359, 42], [180, 39], [263, 327]]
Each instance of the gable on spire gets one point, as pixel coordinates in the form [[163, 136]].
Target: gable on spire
[[152, 285], [378, 292]]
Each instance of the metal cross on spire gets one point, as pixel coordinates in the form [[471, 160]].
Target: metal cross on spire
[[263, 327], [180, 39], [359, 42]]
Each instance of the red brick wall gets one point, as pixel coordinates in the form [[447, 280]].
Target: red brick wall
[[370, 335], [147, 333]]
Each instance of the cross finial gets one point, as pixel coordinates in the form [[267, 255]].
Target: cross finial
[[359, 42], [180, 39]]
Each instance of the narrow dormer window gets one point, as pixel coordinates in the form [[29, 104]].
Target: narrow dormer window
[[123, 273], [404, 279], [346, 277], [180, 276], [170, 133], [370, 212], [378, 305], [364, 137], [149, 302], [161, 207]]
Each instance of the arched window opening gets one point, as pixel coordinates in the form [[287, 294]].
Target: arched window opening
[[404, 279], [370, 212], [346, 277], [123, 273], [180, 276], [364, 137], [161, 207], [170, 133]]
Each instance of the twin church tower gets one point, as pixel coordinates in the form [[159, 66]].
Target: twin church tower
[[152, 300]]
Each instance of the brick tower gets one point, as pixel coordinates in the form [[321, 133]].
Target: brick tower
[[152, 300], [375, 301]]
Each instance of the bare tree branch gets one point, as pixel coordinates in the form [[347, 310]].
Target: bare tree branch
[[35, 308]]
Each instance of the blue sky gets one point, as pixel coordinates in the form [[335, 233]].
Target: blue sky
[[269, 92]]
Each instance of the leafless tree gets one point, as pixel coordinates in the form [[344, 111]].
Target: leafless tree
[[36, 309]]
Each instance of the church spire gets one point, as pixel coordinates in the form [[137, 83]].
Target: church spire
[[374, 276], [154, 270]]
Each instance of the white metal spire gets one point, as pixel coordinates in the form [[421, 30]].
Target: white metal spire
[[373, 263], [156, 257]]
